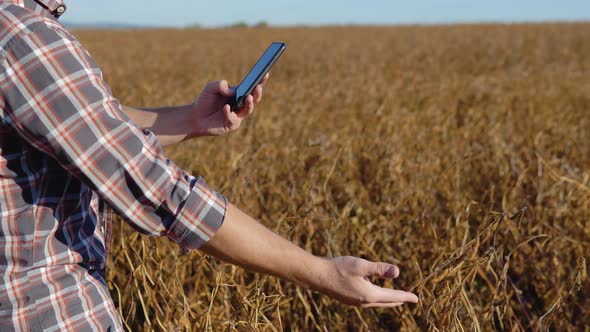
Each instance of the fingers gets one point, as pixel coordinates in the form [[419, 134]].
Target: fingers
[[223, 88], [258, 90], [247, 109], [257, 93], [232, 90], [388, 295], [381, 270], [381, 305], [385, 297], [232, 120], [264, 79]]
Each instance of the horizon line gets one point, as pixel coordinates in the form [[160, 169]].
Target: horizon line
[[121, 25]]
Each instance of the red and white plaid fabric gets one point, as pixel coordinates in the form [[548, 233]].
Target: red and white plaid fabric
[[67, 152]]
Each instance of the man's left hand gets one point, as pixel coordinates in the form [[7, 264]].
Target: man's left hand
[[212, 116]]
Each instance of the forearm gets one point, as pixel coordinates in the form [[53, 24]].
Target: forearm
[[243, 241], [169, 124]]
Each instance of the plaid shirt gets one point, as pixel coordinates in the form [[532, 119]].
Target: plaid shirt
[[67, 152]]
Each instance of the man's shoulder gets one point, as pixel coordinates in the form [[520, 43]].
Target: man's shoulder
[[16, 21]]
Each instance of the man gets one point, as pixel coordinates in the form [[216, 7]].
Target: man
[[69, 150]]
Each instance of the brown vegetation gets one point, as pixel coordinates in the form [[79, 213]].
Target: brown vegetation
[[461, 153]]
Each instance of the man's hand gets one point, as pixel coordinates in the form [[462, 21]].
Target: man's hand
[[208, 115], [347, 280], [212, 116], [243, 241]]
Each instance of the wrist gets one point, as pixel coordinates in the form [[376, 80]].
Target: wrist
[[180, 117], [312, 272]]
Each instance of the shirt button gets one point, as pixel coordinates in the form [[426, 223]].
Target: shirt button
[[59, 10]]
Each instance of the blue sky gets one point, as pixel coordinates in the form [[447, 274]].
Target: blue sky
[[178, 13]]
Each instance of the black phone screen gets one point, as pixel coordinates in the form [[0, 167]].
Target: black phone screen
[[260, 69]]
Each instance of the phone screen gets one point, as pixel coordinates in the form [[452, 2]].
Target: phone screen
[[259, 69]]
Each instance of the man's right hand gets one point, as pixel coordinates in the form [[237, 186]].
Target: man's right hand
[[243, 241], [347, 280]]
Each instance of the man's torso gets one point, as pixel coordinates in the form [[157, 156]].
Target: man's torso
[[52, 226]]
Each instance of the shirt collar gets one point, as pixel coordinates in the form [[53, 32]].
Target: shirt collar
[[50, 8]]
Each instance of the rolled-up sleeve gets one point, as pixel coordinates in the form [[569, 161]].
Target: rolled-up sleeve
[[54, 96]]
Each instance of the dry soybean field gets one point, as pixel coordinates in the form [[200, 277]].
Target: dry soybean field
[[460, 153]]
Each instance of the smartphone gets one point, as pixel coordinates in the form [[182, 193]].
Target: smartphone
[[270, 56]]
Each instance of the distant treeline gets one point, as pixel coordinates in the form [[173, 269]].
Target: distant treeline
[[239, 24], [111, 25]]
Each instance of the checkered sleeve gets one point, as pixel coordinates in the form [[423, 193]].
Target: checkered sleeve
[[56, 99]]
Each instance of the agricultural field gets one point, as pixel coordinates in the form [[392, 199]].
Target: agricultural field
[[460, 153]]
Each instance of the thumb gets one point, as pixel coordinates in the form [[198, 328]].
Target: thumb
[[225, 89], [232, 90], [232, 121], [220, 87], [382, 270]]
